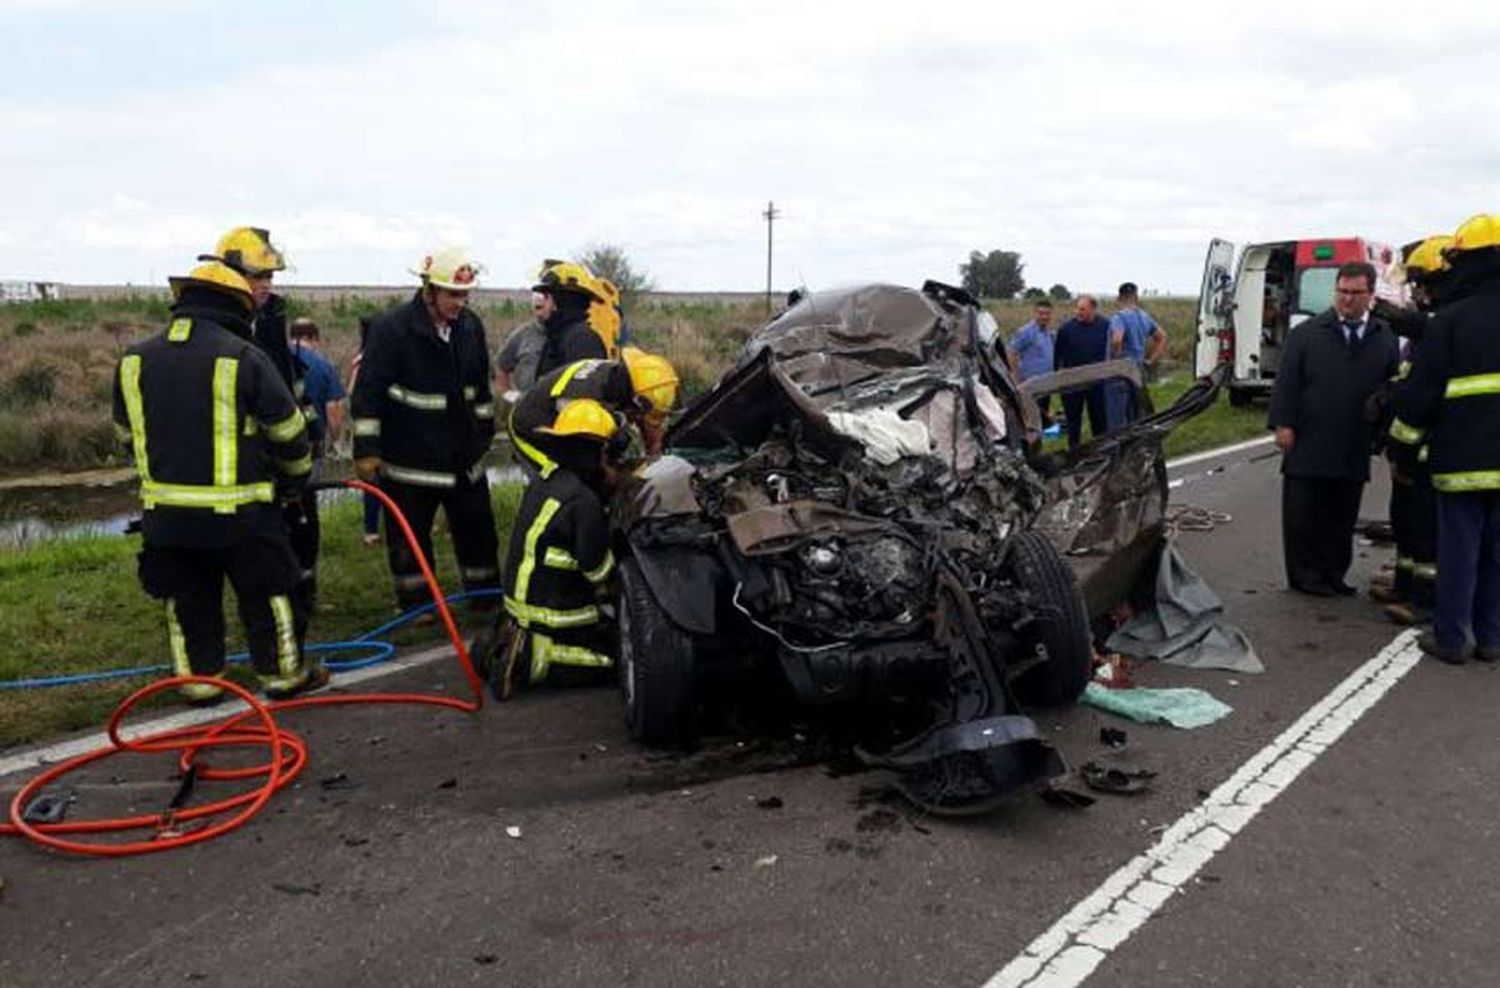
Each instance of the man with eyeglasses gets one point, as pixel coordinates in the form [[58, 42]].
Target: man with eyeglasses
[[1332, 364]]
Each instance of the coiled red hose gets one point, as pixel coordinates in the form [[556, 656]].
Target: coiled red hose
[[256, 727]]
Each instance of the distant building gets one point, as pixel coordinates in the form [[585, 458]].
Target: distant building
[[28, 291]]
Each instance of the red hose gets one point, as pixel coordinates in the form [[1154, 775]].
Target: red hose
[[287, 751]]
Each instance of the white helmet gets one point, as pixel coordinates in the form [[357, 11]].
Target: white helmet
[[450, 268]]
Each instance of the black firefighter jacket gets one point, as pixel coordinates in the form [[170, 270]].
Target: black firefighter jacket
[[422, 405], [1321, 390], [1453, 392], [214, 429], [605, 381]]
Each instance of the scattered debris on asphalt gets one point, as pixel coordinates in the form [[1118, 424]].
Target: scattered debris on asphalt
[[514, 833], [339, 780], [770, 803], [290, 889], [1067, 799], [485, 958], [1183, 707], [767, 861], [449, 783], [1112, 737], [1104, 778]]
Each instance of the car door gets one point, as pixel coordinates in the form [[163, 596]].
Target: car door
[[1215, 306]]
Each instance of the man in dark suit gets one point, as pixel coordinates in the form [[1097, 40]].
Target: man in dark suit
[[1081, 341], [1332, 364]]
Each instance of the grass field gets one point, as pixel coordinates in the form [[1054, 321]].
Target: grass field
[[57, 357], [75, 606]]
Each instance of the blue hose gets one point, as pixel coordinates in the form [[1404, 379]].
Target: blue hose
[[381, 651]]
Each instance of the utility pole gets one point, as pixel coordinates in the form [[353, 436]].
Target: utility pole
[[770, 217]]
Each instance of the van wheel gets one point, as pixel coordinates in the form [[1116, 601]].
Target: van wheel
[[657, 667], [1240, 397], [1060, 628]]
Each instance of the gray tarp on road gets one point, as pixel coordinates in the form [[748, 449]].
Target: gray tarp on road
[[1186, 627]]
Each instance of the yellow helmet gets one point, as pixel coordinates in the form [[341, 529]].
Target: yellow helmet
[[653, 378], [568, 276], [1427, 258], [450, 268], [1477, 233], [583, 418], [248, 250], [215, 276], [604, 316]]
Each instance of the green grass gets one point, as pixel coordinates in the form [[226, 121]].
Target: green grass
[[1219, 425], [76, 606]]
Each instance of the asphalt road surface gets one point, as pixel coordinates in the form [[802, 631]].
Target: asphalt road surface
[[390, 861]]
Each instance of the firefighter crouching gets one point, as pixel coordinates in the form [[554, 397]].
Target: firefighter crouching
[[641, 386], [1413, 505], [423, 421], [216, 434], [558, 564], [1453, 393]]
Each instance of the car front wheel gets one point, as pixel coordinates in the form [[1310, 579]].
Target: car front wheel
[[657, 668], [1060, 627]]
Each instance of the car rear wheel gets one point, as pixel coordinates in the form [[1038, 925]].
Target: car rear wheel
[[1061, 626], [657, 668]]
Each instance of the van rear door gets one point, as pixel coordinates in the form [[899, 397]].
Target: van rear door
[[1215, 306]]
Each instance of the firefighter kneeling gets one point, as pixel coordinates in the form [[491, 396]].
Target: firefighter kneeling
[[558, 564]]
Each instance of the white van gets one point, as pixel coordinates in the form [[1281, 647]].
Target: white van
[[1246, 310]]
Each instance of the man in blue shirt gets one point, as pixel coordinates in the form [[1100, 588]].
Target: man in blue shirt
[[318, 389], [1133, 335], [1029, 352], [1081, 341]]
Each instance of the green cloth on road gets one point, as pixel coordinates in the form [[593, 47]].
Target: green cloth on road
[[1183, 707]]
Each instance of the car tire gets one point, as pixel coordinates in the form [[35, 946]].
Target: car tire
[[1240, 397], [657, 667], [1061, 626]]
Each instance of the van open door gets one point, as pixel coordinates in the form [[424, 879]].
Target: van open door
[[1215, 325]]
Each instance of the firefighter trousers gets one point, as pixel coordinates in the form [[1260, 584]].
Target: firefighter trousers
[[1414, 525], [471, 523], [305, 533], [263, 572]]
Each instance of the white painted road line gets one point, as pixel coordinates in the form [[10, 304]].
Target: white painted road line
[[1079, 942], [62, 750], [1209, 454]]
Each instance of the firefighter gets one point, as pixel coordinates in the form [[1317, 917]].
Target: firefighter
[[250, 251], [558, 563], [1413, 505], [572, 292], [423, 421], [641, 386], [1453, 393], [216, 434]]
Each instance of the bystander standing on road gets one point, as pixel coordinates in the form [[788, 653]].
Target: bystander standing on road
[[1081, 341], [1133, 335], [1030, 351], [1454, 393], [1332, 365]]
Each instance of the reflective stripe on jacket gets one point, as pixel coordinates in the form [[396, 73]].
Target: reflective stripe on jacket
[[420, 404], [559, 554], [212, 426]]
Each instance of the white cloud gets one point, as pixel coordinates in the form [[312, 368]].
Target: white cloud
[[1101, 144]]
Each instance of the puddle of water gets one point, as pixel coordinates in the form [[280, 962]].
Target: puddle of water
[[33, 515]]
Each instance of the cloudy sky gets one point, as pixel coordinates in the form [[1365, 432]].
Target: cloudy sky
[[1103, 141]]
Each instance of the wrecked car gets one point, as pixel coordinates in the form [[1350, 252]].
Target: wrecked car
[[863, 512]]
